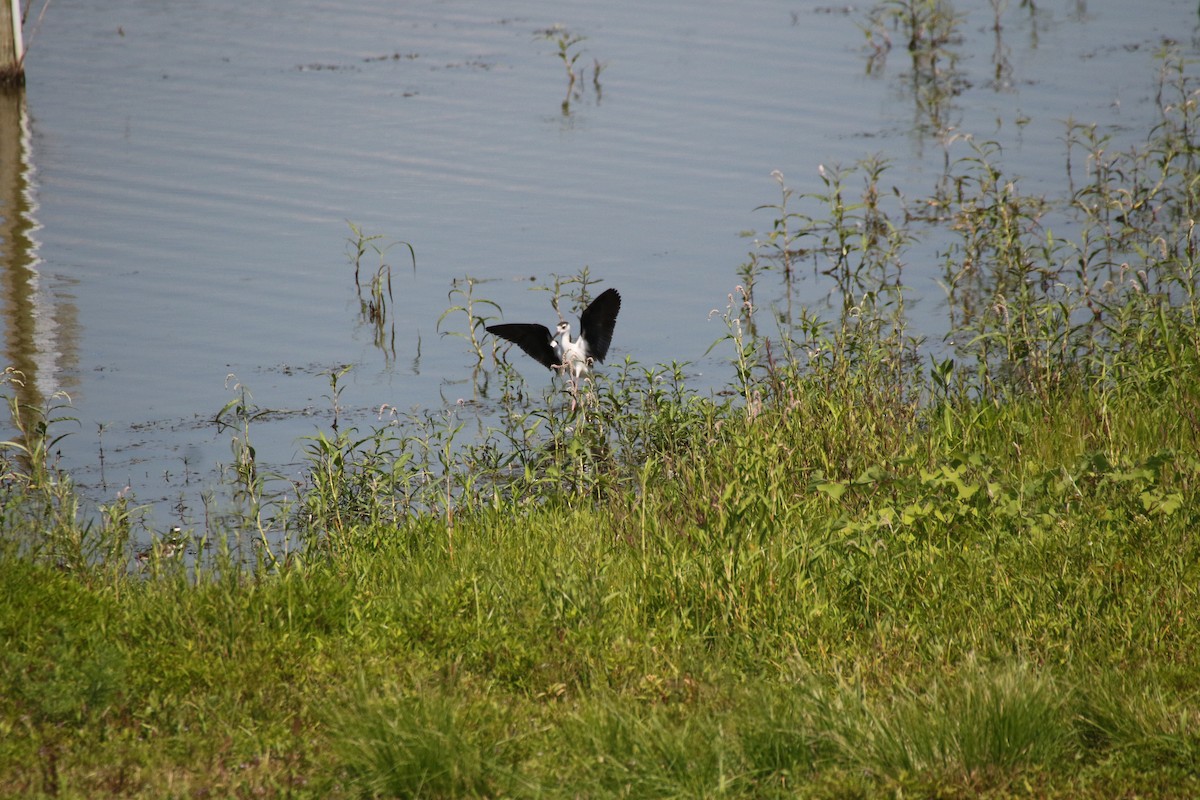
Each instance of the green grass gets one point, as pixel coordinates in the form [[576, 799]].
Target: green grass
[[873, 570], [783, 614]]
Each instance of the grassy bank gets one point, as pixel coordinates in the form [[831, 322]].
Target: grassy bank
[[776, 610], [875, 568]]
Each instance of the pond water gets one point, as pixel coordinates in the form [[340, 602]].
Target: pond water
[[178, 178]]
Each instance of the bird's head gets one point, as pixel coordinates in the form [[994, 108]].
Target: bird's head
[[564, 328]]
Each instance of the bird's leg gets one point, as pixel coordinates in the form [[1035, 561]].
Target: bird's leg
[[574, 391]]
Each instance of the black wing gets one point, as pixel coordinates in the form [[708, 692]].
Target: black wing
[[597, 322], [534, 339]]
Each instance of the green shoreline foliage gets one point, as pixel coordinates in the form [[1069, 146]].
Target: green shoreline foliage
[[872, 569]]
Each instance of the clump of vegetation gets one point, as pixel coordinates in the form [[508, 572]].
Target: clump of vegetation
[[569, 52], [873, 567], [929, 29], [375, 293]]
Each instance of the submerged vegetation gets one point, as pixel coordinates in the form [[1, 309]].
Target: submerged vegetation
[[873, 567]]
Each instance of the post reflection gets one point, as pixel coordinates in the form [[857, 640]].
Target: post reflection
[[40, 338]]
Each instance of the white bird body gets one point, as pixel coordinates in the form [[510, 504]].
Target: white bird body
[[575, 356]]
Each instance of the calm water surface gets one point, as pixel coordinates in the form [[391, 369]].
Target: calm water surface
[[179, 183]]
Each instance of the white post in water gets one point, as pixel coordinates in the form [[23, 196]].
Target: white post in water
[[12, 49]]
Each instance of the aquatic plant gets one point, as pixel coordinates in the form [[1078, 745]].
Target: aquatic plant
[[568, 53], [462, 293], [929, 29], [375, 303]]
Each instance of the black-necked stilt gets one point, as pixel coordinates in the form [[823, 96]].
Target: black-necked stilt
[[596, 325]]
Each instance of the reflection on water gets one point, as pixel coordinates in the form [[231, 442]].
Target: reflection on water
[[41, 331], [931, 34]]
